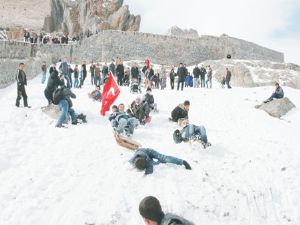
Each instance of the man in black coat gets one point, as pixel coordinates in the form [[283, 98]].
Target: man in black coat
[[181, 111], [53, 82], [228, 77], [21, 82], [134, 72], [172, 77], [196, 73], [181, 73], [120, 73], [202, 75]]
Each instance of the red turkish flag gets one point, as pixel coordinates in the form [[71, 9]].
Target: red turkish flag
[[110, 93]]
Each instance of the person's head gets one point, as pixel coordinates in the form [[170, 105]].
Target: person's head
[[149, 90], [186, 105], [138, 100], [21, 66], [177, 137], [226, 68], [151, 211], [140, 163], [121, 107], [180, 64], [276, 84], [114, 108], [76, 66]]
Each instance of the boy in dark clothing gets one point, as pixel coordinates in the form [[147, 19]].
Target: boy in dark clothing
[[144, 159], [151, 211], [148, 97], [21, 82], [172, 78], [182, 73], [181, 111], [228, 77], [278, 93], [53, 82], [140, 110]]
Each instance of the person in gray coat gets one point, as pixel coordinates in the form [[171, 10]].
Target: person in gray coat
[[228, 77], [278, 93], [151, 211]]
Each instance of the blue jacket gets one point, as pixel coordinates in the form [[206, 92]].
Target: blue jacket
[[150, 154], [279, 92]]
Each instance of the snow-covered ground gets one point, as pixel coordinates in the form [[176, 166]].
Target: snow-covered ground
[[79, 175]]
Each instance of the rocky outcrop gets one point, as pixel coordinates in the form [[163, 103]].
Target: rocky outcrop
[[74, 17], [278, 107], [254, 73], [187, 33]]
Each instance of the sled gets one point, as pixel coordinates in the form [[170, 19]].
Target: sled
[[126, 142]]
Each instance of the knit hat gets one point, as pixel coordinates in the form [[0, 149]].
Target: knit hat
[[150, 209]]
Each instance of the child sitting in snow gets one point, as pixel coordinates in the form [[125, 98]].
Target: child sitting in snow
[[96, 94], [143, 159]]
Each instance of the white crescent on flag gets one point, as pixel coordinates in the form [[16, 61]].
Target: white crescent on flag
[[112, 90]]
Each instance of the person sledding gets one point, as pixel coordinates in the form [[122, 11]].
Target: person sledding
[[149, 98], [121, 122], [145, 158], [140, 110], [277, 94], [191, 132], [96, 94], [180, 112]]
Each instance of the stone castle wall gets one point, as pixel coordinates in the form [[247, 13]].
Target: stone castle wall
[[129, 46]]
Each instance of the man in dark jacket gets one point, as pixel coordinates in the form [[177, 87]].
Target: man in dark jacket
[[21, 82], [181, 111], [120, 73], [181, 73], [172, 77], [92, 71], [278, 93], [196, 73], [202, 75], [65, 105], [140, 110], [84, 72], [53, 82], [228, 77], [134, 72], [151, 211], [112, 67], [143, 159]]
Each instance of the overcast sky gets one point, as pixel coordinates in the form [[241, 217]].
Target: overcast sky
[[271, 23]]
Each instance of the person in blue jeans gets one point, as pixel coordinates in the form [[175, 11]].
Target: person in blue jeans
[[277, 94], [191, 132], [145, 158], [65, 106]]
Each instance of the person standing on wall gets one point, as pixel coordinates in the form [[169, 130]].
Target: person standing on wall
[[21, 82]]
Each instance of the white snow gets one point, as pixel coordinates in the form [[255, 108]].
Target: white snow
[[79, 175]]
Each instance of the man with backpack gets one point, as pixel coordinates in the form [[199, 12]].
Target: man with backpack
[[151, 211], [62, 97]]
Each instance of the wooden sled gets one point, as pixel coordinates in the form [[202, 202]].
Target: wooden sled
[[126, 142]]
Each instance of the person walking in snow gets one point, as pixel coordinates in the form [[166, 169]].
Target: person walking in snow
[[202, 76], [277, 94], [145, 158], [181, 73], [44, 72], [228, 77], [151, 211], [21, 83], [209, 77], [196, 73]]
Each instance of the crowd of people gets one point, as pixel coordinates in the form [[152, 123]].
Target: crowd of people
[[62, 78]]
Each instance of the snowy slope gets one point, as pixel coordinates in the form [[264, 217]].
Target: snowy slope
[[79, 175]]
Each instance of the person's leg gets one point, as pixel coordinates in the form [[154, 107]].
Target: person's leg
[[168, 159], [43, 77], [132, 123], [178, 83], [121, 126], [68, 81], [19, 94], [202, 131], [182, 86], [63, 106], [210, 80], [73, 114], [24, 95]]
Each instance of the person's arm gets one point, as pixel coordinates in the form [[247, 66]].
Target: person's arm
[[149, 167]]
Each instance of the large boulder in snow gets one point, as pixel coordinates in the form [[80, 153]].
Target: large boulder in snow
[[255, 73], [277, 107]]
